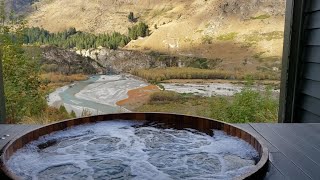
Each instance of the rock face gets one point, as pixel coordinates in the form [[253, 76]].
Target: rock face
[[121, 61], [249, 8], [67, 62], [98, 61], [19, 6]]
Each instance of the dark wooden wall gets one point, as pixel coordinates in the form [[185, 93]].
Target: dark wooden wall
[[308, 104], [301, 99]]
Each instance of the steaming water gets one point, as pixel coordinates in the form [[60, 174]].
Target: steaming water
[[131, 150]]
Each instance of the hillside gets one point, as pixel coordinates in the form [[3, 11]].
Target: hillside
[[245, 34], [19, 7]]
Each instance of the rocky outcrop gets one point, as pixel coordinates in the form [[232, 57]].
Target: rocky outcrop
[[121, 61], [107, 61], [67, 62], [125, 61], [19, 7], [246, 9]]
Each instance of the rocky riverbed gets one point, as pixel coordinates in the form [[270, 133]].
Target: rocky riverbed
[[109, 93]]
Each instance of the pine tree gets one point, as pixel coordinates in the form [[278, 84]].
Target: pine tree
[[131, 17], [72, 38]]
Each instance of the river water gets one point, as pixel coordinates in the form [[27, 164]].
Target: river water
[[97, 95]]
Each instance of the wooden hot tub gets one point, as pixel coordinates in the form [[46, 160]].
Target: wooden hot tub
[[176, 121]]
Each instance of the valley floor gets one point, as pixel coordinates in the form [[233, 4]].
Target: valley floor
[[121, 93]]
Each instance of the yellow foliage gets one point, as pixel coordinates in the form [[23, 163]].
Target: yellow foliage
[[160, 74], [58, 78]]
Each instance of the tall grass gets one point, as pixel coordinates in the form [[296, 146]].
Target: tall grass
[[263, 16], [160, 74], [55, 80], [227, 37], [49, 115], [246, 106], [164, 96], [58, 77]]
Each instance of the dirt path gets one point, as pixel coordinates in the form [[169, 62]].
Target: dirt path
[[137, 97]]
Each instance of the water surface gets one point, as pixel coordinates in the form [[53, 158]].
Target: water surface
[[132, 150]]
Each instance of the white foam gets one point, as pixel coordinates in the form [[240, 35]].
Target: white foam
[[126, 150]]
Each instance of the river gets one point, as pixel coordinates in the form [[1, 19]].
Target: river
[[97, 95]]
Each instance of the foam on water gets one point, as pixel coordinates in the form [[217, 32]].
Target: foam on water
[[130, 150]]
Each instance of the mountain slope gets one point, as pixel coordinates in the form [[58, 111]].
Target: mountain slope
[[247, 32], [19, 7]]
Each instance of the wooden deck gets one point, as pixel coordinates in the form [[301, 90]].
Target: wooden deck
[[294, 148]]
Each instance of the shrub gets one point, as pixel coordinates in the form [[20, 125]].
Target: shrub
[[140, 30], [247, 106], [63, 110], [73, 114], [86, 112], [227, 37], [131, 17], [206, 39], [263, 16], [256, 36], [164, 96], [48, 115], [161, 74]]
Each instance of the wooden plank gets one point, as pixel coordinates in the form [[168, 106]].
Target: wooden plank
[[312, 37], [285, 132], [315, 129], [314, 126], [274, 173], [248, 128], [286, 167], [310, 168], [311, 71], [312, 52], [313, 20], [311, 88], [312, 5], [311, 137], [311, 59], [307, 117], [15, 132], [310, 104], [5, 128]]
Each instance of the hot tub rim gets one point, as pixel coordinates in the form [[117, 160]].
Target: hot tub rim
[[258, 172]]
